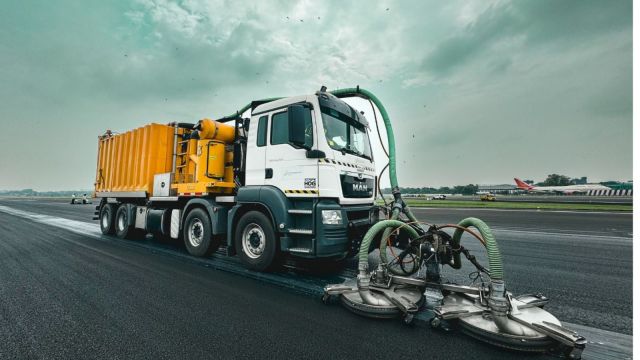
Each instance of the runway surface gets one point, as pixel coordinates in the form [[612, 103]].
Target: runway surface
[[72, 295], [575, 199], [616, 224]]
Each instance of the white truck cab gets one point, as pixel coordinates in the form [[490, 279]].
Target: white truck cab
[[335, 160], [309, 166]]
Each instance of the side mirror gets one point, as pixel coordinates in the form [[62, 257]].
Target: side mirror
[[297, 120], [316, 154]]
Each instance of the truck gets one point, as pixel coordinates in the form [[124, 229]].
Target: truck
[[295, 179]]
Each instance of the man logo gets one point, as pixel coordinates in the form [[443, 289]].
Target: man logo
[[360, 187]]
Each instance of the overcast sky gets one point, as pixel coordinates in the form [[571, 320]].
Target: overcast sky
[[478, 91]]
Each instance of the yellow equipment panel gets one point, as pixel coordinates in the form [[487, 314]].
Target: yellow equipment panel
[[210, 161], [127, 162]]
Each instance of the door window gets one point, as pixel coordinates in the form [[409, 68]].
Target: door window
[[280, 129], [262, 131]]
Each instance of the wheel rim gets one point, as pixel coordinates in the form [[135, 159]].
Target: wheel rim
[[196, 232], [105, 220], [253, 240], [122, 221]]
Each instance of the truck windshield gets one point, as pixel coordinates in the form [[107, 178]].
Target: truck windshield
[[345, 134]]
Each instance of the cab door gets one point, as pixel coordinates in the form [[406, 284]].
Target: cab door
[[287, 166], [256, 150]]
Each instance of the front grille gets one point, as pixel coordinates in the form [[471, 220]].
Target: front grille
[[354, 187], [357, 214]]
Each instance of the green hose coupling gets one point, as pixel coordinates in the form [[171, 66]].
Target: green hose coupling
[[493, 252]]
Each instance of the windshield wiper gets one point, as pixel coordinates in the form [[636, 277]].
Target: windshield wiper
[[346, 150], [355, 152]]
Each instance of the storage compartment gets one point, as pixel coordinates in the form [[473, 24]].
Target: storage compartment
[[214, 160], [127, 162], [162, 184]]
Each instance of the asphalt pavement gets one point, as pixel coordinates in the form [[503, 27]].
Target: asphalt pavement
[[66, 294], [570, 199]]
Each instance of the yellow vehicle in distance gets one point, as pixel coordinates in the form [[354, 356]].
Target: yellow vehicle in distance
[[488, 197]]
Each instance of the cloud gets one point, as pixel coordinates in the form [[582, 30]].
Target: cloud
[[527, 24], [549, 78]]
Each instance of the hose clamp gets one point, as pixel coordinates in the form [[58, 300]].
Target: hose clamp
[[363, 281], [497, 300]]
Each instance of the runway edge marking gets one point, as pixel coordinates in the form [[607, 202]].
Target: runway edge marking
[[603, 344]]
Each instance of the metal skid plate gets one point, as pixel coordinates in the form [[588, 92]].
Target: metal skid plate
[[352, 301], [476, 321]]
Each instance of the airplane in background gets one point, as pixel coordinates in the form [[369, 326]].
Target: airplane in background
[[568, 189]]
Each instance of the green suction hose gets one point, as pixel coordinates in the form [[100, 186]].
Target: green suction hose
[[399, 205], [385, 235], [363, 255], [239, 113], [359, 92], [493, 252]]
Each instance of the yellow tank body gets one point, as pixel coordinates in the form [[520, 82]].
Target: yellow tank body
[[127, 162], [200, 165]]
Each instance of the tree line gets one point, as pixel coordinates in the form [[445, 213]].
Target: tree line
[[460, 189]]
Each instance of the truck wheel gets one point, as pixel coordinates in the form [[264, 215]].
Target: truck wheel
[[197, 234], [107, 225], [123, 229], [255, 241]]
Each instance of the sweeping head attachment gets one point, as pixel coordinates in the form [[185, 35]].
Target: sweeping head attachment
[[493, 315], [487, 312]]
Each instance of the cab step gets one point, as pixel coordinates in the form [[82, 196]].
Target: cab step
[[300, 250], [301, 231], [300, 211]]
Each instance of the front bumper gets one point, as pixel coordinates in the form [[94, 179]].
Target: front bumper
[[343, 240]]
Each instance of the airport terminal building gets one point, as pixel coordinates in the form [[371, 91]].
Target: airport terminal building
[[500, 189]]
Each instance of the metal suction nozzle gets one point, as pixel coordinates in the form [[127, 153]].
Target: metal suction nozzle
[[518, 323], [379, 295]]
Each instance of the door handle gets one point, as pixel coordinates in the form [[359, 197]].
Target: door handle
[[268, 173]]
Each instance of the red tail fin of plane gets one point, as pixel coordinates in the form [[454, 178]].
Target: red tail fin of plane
[[522, 185]]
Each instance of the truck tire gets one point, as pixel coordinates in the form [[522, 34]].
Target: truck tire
[[123, 229], [256, 241], [198, 238], [107, 224]]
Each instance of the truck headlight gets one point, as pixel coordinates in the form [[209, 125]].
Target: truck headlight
[[331, 217]]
